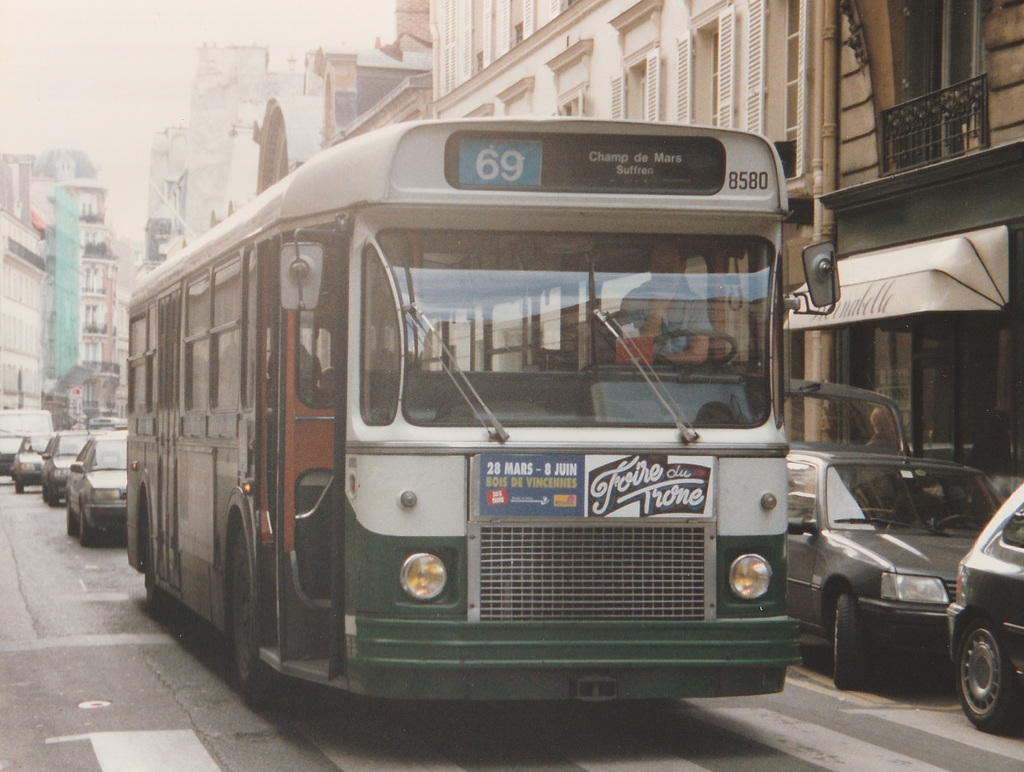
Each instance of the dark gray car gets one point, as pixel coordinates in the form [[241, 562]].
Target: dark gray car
[[986, 623], [874, 544]]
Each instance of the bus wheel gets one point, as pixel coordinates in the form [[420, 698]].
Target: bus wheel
[[254, 675], [850, 658]]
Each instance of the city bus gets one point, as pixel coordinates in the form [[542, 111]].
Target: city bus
[[396, 425]]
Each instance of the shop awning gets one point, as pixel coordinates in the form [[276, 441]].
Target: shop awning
[[967, 272]]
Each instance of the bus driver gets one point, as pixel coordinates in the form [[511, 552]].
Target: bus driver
[[664, 309]]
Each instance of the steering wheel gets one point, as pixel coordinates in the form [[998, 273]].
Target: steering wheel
[[714, 355]]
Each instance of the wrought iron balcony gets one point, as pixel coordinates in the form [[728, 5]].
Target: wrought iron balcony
[[936, 126]]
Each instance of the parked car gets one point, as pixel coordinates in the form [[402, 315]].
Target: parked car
[[874, 544], [97, 489], [57, 457], [14, 425], [986, 623], [28, 461]]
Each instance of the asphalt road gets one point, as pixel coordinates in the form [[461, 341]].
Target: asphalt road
[[89, 680]]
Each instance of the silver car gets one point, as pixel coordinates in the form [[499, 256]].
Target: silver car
[[97, 487]]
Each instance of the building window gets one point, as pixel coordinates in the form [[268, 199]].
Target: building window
[[942, 44]]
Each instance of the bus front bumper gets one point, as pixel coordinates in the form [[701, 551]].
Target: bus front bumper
[[566, 660]]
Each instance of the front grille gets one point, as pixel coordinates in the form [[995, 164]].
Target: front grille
[[592, 571]]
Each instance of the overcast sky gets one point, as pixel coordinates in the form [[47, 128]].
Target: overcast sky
[[105, 76]]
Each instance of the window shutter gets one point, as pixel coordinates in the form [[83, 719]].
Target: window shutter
[[504, 26], [488, 31], [652, 100], [755, 66], [801, 98], [726, 69], [617, 95], [465, 44], [528, 18], [448, 47], [684, 82], [555, 7]]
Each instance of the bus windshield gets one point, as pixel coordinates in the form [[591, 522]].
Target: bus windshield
[[554, 328]]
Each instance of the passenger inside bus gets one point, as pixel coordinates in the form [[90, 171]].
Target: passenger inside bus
[[664, 312]]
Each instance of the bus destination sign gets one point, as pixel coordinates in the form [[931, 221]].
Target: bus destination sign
[[588, 163]]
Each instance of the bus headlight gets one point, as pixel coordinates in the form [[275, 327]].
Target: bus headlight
[[749, 576], [423, 576]]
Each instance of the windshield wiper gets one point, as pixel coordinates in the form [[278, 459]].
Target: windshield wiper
[[476, 403], [686, 431]]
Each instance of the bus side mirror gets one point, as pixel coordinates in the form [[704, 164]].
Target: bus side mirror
[[821, 274], [302, 265]]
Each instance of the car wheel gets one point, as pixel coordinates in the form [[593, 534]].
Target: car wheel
[[72, 523], [19, 486], [86, 532], [254, 675], [850, 658], [990, 694], [46, 496]]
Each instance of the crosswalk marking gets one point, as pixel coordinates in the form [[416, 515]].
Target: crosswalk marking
[[635, 763], [157, 751], [950, 726], [810, 742]]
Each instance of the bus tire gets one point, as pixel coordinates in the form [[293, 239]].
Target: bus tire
[[850, 658], [157, 601], [990, 694], [253, 674]]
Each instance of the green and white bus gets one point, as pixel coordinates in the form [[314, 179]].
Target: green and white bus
[[400, 425]]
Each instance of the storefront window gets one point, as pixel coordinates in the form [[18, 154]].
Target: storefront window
[[951, 379]]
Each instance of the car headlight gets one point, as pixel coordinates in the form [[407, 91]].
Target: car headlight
[[423, 576], [749, 576], [106, 494], [916, 589]]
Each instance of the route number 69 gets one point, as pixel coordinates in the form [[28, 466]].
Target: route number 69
[[507, 165]]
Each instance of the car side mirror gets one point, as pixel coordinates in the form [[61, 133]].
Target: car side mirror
[[76, 466], [800, 527]]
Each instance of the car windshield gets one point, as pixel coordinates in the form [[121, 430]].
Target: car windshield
[[908, 498], [110, 454], [72, 444], [520, 314], [35, 443]]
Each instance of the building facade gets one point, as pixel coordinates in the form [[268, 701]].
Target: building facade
[[929, 213], [756, 65], [22, 273]]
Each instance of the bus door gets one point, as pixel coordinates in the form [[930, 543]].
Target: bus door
[[165, 522], [312, 386]]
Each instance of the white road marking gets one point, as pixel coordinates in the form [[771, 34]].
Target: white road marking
[[639, 762], [76, 641], [161, 751], [952, 726], [354, 754], [810, 742]]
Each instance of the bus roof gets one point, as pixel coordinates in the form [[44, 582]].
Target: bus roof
[[419, 164]]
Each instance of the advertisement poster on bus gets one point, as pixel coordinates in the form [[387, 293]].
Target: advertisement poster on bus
[[571, 485]]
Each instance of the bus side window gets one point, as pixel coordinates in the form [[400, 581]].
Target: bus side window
[[197, 345], [225, 359], [378, 392]]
